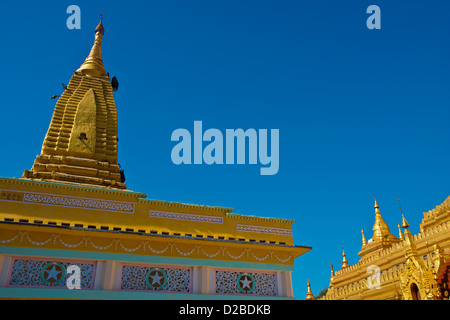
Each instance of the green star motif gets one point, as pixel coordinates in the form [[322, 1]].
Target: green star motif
[[53, 273], [246, 283], [156, 278]]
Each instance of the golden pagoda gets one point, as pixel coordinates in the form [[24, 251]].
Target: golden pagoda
[[70, 228], [81, 142], [408, 267]]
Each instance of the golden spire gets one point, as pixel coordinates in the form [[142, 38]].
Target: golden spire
[[364, 241], [410, 246], [93, 65], [380, 228], [408, 236], [309, 294], [400, 234], [331, 276], [404, 222], [344, 260]]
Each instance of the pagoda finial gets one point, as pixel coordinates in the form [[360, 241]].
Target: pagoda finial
[[309, 294], [344, 260], [404, 222], [332, 275], [93, 65], [364, 241], [100, 28], [400, 234]]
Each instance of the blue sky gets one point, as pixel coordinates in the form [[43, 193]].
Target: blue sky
[[361, 112]]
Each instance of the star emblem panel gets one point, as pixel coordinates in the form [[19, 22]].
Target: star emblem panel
[[40, 273], [254, 283], [152, 278]]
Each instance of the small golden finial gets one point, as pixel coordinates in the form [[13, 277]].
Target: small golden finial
[[404, 222], [376, 206], [100, 28], [400, 234], [344, 260], [364, 241], [376, 203], [332, 275], [309, 294]]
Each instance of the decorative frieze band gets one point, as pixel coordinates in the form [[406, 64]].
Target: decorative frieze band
[[142, 247], [66, 201], [259, 229], [185, 216]]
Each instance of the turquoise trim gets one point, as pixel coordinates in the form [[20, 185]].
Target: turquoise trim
[[89, 255], [118, 295]]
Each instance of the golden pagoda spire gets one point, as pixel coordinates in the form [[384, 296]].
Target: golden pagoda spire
[[364, 241], [380, 228], [309, 294], [404, 222], [344, 260], [400, 234], [410, 244], [331, 276], [93, 65]]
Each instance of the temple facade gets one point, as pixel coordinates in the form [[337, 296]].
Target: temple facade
[[70, 228], [403, 267]]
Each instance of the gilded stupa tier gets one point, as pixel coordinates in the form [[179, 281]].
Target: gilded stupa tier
[[81, 143]]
